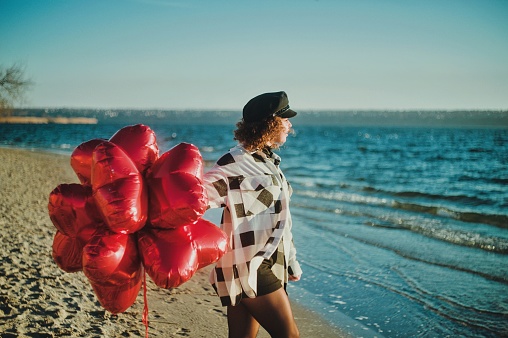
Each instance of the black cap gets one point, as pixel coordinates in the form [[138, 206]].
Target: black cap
[[266, 105]]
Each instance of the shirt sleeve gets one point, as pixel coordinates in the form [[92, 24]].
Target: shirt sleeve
[[216, 186], [294, 266]]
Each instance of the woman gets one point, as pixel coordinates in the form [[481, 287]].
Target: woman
[[251, 277]]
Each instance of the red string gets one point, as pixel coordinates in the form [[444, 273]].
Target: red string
[[145, 309]]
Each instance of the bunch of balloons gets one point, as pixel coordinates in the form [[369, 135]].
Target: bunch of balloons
[[133, 212]]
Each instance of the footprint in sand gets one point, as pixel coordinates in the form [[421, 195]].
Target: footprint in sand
[[183, 332], [218, 311]]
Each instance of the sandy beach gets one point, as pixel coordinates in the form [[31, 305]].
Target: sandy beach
[[38, 299]]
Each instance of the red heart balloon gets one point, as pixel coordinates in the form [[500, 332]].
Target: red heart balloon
[[73, 211], [184, 157], [140, 143], [117, 298], [172, 256], [177, 194], [118, 189], [113, 191], [81, 160], [168, 256], [175, 199], [111, 258], [209, 240], [67, 252]]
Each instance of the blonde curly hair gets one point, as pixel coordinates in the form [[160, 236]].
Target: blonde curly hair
[[257, 135]]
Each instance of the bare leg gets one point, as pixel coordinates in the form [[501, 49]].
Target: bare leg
[[241, 324], [273, 312]]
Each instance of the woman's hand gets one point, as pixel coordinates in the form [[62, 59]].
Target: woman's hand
[[294, 278]]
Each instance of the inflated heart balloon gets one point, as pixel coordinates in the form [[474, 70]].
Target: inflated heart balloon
[[112, 264], [101, 223], [81, 160], [67, 252], [175, 199], [167, 256], [73, 211], [172, 256], [177, 194], [184, 157], [112, 258], [209, 241], [118, 189], [140, 143], [117, 298]]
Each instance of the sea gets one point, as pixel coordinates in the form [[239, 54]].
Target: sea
[[401, 230]]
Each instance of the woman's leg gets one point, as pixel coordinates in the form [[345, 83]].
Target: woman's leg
[[241, 324], [273, 312]]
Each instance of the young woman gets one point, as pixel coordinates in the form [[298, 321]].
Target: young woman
[[251, 277]]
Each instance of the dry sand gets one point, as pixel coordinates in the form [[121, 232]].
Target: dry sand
[[37, 299]]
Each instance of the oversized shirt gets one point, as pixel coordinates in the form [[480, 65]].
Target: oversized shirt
[[255, 196]]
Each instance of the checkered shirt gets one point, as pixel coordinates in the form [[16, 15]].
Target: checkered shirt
[[255, 196]]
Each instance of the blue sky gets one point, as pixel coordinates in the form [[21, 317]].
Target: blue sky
[[206, 54]]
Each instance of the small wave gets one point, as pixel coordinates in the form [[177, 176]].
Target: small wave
[[334, 185], [479, 150], [502, 181], [469, 200], [416, 194], [464, 199], [463, 238], [500, 221], [432, 228], [345, 197]]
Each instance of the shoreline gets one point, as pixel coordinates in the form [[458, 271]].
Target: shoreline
[[37, 297]]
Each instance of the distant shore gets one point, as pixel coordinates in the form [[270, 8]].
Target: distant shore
[[362, 118], [48, 120]]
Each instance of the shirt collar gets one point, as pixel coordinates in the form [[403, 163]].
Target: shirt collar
[[265, 154], [268, 154]]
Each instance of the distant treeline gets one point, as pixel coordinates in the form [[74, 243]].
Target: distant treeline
[[448, 118]]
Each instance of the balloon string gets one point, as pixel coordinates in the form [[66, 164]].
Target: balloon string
[[145, 309]]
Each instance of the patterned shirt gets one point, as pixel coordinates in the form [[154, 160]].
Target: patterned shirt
[[255, 196]]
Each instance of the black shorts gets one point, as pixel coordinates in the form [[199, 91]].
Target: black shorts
[[267, 282]]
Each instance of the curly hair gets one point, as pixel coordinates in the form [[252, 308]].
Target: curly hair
[[256, 135]]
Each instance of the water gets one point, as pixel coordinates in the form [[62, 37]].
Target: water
[[402, 230]]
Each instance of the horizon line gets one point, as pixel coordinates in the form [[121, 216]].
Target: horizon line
[[299, 109]]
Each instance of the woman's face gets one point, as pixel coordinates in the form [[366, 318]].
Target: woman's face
[[280, 138]]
